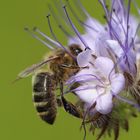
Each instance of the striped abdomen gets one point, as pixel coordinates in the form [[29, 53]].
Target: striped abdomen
[[44, 96]]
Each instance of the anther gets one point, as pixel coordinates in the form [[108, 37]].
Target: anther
[[104, 16], [39, 39], [114, 10], [35, 29], [106, 6], [48, 18], [48, 15]]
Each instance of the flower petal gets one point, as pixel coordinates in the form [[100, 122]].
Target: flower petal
[[101, 44], [104, 65], [84, 58], [89, 96], [114, 45], [96, 27], [104, 103], [117, 83]]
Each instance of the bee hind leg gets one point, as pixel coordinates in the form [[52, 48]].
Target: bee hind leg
[[68, 106]]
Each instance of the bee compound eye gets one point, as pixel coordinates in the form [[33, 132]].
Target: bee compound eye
[[77, 51]]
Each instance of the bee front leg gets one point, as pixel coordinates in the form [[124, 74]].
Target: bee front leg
[[68, 106]]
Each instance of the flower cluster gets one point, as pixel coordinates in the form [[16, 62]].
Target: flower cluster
[[111, 54], [109, 86]]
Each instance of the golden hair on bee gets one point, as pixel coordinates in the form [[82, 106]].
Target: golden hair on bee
[[60, 67]]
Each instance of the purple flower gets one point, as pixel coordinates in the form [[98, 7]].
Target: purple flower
[[106, 82], [112, 51], [111, 58], [118, 35]]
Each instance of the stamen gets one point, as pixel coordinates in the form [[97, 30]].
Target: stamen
[[105, 9], [57, 39], [80, 89], [36, 37], [111, 30], [115, 65], [136, 6], [120, 23], [137, 30], [127, 101], [58, 18], [64, 31], [82, 9], [77, 18], [74, 28], [59, 22], [84, 12], [124, 56], [108, 20], [128, 15], [61, 16], [46, 37], [121, 7], [91, 77], [72, 10], [95, 30], [112, 10]]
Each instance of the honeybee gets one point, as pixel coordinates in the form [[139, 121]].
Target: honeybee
[[61, 66]]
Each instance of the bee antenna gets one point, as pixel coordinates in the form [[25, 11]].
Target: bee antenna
[[74, 28], [39, 39], [49, 23]]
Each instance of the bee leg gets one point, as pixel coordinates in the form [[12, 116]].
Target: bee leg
[[68, 106], [59, 102]]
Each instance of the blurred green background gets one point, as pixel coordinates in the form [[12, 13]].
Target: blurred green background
[[18, 119]]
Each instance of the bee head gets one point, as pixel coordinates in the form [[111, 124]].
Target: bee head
[[75, 49]]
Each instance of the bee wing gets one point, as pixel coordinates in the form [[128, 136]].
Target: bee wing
[[28, 71]]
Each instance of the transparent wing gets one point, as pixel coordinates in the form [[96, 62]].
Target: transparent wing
[[28, 71]]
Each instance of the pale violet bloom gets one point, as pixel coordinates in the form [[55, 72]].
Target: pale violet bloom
[[99, 83], [112, 50], [118, 36]]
